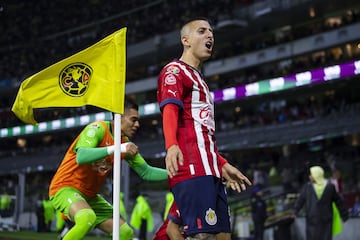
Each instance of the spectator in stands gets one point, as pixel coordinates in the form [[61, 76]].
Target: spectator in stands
[[123, 213], [5, 205], [335, 171], [258, 212], [45, 213], [287, 177], [169, 200], [318, 196], [49, 213], [260, 177], [88, 161], [355, 211], [40, 226], [336, 180], [141, 217]]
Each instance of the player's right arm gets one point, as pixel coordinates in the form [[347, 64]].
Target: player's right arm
[[174, 155], [86, 147], [170, 99]]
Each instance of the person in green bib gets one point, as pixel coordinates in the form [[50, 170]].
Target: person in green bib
[[319, 195], [5, 204], [169, 197], [5, 201], [49, 214], [123, 213], [141, 217]]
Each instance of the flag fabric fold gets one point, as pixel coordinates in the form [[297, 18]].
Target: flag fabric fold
[[94, 76]]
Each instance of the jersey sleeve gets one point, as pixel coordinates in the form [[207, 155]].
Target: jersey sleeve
[[135, 161], [170, 87], [91, 136], [221, 160], [170, 124]]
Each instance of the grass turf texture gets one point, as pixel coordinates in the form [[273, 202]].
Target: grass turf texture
[[31, 235]]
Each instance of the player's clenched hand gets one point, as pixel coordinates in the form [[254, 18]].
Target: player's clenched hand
[[235, 178], [173, 157], [131, 149]]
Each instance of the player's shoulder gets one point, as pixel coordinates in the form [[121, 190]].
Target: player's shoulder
[[173, 67], [94, 129], [98, 126], [172, 72]]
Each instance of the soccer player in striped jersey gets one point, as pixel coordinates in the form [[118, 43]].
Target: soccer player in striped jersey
[[194, 165]]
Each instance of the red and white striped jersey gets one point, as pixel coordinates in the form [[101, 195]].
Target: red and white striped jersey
[[184, 86]]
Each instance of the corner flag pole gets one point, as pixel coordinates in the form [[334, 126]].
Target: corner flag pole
[[116, 178]]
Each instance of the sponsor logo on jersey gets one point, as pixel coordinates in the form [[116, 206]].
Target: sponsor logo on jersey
[[91, 133], [172, 92], [170, 79], [172, 70], [74, 79], [206, 116], [210, 217]]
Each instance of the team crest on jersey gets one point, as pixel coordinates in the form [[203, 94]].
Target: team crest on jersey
[[170, 79], [172, 70], [74, 79], [91, 133], [210, 217]]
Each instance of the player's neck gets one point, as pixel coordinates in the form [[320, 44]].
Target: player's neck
[[191, 61]]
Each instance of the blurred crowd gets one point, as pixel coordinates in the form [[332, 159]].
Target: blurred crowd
[[34, 38], [228, 118], [60, 38]]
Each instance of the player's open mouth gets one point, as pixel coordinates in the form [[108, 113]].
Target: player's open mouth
[[208, 45]]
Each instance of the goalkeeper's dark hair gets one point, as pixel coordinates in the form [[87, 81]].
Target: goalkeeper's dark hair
[[129, 104]]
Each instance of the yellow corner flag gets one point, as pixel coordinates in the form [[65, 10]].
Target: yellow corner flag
[[95, 76]]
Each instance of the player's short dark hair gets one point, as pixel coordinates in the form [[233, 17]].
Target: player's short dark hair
[[131, 104], [189, 20], [128, 104]]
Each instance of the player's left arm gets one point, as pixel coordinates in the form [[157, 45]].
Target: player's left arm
[[144, 170], [232, 175]]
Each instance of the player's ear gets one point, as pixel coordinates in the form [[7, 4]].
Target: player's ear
[[185, 41]]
